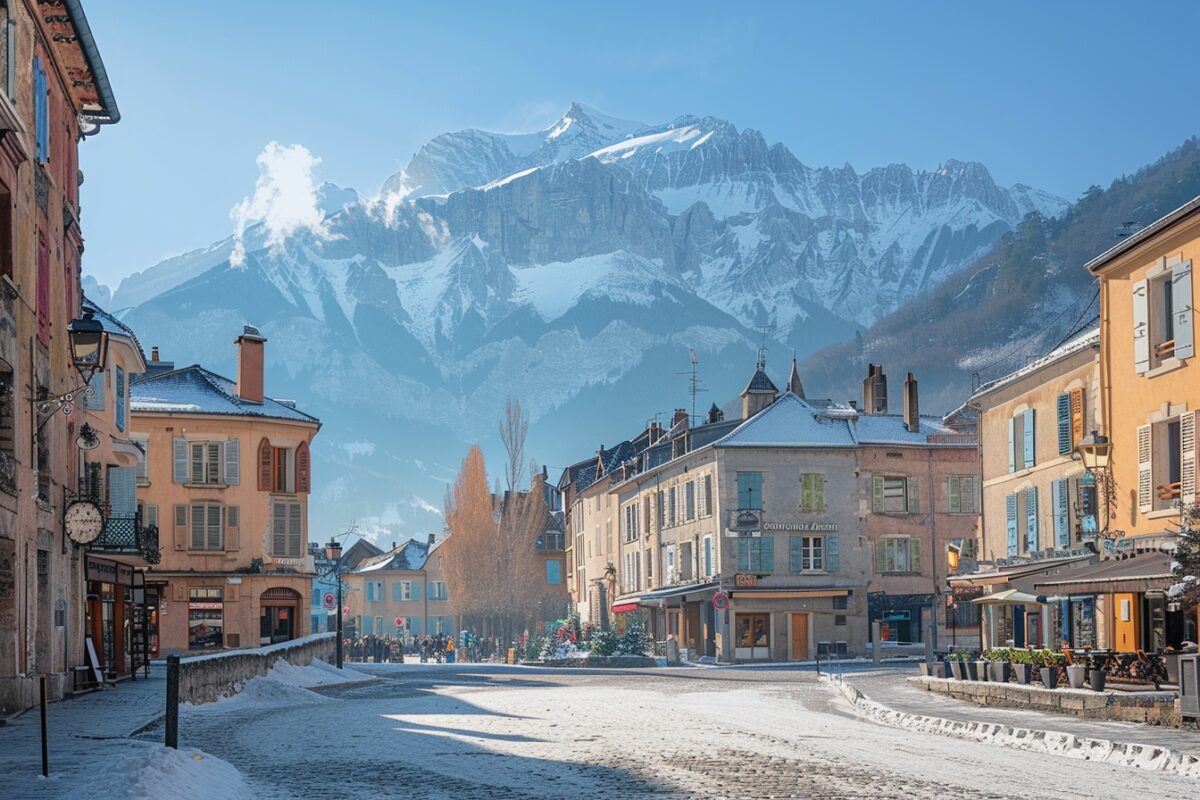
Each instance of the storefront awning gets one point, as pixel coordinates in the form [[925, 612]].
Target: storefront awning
[[659, 596], [621, 608], [1010, 597], [786, 594], [1147, 572], [994, 577]]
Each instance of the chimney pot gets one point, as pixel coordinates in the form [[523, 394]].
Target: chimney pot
[[912, 411], [154, 353]]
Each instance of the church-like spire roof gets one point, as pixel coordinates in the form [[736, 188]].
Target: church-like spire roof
[[759, 382], [794, 385]]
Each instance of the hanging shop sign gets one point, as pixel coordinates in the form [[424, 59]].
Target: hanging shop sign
[[102, 571], [743, 581]]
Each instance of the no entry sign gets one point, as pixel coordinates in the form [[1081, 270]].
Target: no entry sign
[[720, 601], [330, 600], [399, 622]]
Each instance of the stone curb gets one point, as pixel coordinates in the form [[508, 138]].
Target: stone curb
[[1140, 756]]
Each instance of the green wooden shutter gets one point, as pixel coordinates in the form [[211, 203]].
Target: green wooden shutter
[[1063, 407], [877, 495], [913, 485], [881, 556], [819, 492], [953, 487], [832, 554], [914, 555]]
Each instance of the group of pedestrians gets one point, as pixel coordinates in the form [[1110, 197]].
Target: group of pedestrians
[[439, 648]]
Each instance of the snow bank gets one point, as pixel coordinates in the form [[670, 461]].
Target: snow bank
[[284, 684], [145, 771]]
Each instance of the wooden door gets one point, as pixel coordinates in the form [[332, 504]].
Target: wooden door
[[799, 637], [1125, 628]]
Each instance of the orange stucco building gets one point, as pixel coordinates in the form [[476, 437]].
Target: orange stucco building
[[226, 478]]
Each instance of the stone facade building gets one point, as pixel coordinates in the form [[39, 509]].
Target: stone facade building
[[400, 593], [227, 476], [53, 89]]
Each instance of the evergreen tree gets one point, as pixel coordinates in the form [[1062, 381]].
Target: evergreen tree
[[1187, 556]]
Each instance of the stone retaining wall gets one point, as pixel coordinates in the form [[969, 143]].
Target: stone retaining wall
[[203, 679], [1154, 708]]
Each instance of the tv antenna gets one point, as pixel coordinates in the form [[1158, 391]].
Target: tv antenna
[[694, 385], [762, 347]]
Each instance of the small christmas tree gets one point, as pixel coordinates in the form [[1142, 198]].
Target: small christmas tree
[[1187, 558], [635, 641]]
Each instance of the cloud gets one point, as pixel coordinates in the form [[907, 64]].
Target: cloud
[[285, 199]]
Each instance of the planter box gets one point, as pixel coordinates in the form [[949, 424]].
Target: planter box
[[979, 670], [999, 671], [958, 670], [1049, 676], [1022, 672]]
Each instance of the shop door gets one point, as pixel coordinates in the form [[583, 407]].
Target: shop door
[[1125, 638], [752, 633], [1033, 627], [276, 624], [800, 637]]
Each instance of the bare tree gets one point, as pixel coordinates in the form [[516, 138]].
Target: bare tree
[[513, 430], [471, 543]]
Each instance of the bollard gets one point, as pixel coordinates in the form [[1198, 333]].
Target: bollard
[[875, 646], [172, 734], [45, 750]]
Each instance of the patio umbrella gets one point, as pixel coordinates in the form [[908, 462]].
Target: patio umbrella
[[1009, 597]]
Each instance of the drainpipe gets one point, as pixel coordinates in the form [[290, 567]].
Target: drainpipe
[[111, 114]]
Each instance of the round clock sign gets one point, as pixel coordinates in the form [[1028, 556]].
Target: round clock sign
[[84, 521]]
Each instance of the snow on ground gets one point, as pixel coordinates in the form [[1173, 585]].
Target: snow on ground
[[146, 771], [284, 684]]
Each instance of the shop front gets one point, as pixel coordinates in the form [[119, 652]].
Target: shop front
[[899, 616], [279, 610], [778, 624], [686, 614], [115, 617]]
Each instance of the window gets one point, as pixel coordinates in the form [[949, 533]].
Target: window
[[686, 561], [897, 554], [577, 516], [672, 506], [669, 563], [122, 492], [708, 556], [1060, 505], [1087, 510], [812, 491], [205, 619], [143, 463], [149, 514], [41, 110], [1010, 515], [962, 493], [749, 490], [1069, 407], [839, 619], [661, 503], [287, 529], [119, 398], [8, 58], [206, 463], [1021, 444], [1033, 541], [437, 589], [806, 553], [207, 526], [706, 504], [841, 603], [896, 495], [283, 470], [649, 566], [98, 383], [689, 494], [401, 591], [1162, 316], [1167, 463], [8, 443], [756, 554], [553, 572], [632, 520]]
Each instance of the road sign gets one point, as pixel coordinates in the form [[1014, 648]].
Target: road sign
[[346, 611], [399, 622], [720, 601], [330, 600]]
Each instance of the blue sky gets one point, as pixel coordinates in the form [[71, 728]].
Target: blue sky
[[1057, 95]]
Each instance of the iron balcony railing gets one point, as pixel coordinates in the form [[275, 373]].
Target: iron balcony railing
[[128, 535]]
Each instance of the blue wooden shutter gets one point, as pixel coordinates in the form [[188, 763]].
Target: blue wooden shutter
[[122, 492], [40, 123], [832, 554], [795, 553], [119, 398], [743, 554], [767, 554], [96, 401], [1012, 444], [1059, 497], [396, 592], [1031, 517], [1181, 309], [1027, 422], [1010, 511], [749, 490], [416, 590], [1064, 424]]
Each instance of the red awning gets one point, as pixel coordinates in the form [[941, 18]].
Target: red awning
[[621, 608]]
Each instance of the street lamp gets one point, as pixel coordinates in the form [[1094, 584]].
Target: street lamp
[[89, 345], [333, 553], [1095, 451]]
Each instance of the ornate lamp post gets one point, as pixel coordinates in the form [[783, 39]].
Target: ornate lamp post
[[333, 553], [1095, 451], [89, 351]]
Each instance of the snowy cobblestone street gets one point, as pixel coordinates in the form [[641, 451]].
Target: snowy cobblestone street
[[476, 731]]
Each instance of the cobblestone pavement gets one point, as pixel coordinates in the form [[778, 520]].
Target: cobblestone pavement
[[474, 731], [890, 689]]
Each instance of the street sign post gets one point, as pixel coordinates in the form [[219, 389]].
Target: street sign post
[[720, 601], [399, 622]]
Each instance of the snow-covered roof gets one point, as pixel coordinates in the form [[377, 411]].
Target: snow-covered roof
[[112, 325], [792, 422], [1085, 340], [760, 382], [409, 556], [196, 390]]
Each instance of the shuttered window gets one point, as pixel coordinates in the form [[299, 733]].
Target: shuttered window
[[806, 554], [812, 492], [1063, 408], [207, 526], [1059, 499], [1032, 538], [287, 529], [756, 553], [143, 464], [749, 486], [1010, 519], [896, 495], [119, 398], [962, 493], [689, 495], [898, 554]]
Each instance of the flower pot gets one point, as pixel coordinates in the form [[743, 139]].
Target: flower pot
[[938, 669], [958, 670], [1076, 673], [1049, 676], [1000, 671], [981, 670], [971, 670], [1172, 661], [1023, 673], [924, 668], [1096, 679]]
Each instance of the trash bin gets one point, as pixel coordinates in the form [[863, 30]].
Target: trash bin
[[1189, 686]]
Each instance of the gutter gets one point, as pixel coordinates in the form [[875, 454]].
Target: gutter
[[111, 114]]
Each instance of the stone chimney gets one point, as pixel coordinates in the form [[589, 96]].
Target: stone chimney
[[875, 390], [681, 415], [250, 364], [912, 411], [154, 353], [429, 543]]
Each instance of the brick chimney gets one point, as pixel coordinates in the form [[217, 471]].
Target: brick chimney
[[875, 390], [429, 543], [681, 415], [154, 353], [250, 364], [912, 410]]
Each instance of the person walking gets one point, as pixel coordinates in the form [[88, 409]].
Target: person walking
[[450, 650]]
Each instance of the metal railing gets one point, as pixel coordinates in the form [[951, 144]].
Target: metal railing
[[128, 535]]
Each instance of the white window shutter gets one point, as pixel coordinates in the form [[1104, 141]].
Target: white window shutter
[[233, 462], [181, 460], [1141, 327], [1187, 457], [1181, 308], [1145, 488], [1012, 444]]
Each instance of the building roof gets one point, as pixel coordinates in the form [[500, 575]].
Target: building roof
[[792, 422], [1141, 573], [112, 325], [1132, 241], [409, 556], [357, 552], [1088, 339], [760, 383], [196, 390]]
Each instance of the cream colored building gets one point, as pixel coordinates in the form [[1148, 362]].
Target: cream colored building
[[400, 594]]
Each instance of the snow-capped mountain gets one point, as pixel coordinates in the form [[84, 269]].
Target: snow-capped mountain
[[571, 268]]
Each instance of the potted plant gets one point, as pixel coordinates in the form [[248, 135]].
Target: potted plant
[[1022, 665], [1049, 663], [957, 662], [999, 666], [980, 665], [1076, 674]]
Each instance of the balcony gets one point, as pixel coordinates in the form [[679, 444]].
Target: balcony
[[127, 535]]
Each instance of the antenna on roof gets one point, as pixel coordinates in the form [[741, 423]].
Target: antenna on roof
[[762, 347], [694, 385], [1127, 228]]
